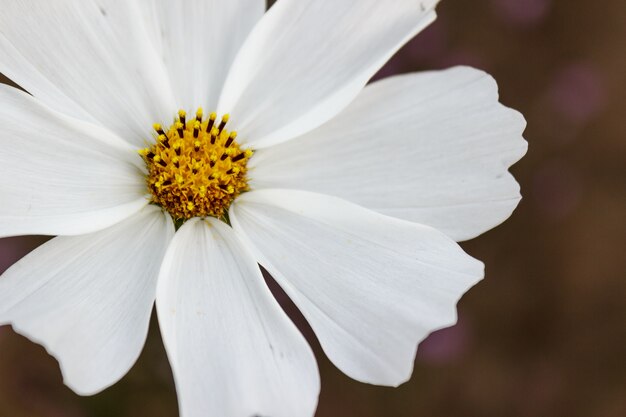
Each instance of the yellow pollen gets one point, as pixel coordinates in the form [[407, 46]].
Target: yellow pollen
[[196, 168]]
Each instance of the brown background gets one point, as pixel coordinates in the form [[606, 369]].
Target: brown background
[[545, 333]]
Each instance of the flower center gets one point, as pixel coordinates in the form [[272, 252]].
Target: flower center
[[196, 168]]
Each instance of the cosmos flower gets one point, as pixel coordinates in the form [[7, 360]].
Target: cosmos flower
[[351, 196]]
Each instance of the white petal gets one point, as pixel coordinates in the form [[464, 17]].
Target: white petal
[[432, 148], [372, 287], [198, 40], [62, 176], [233, 351], [91, 59], [306, 60], [88, 299]]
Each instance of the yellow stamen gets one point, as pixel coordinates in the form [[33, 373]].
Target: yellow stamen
[[196, 168]]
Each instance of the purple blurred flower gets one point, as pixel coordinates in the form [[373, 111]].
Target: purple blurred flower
[[430, 45], [462, 57], [522, 12], [446, 345], [578, 93]]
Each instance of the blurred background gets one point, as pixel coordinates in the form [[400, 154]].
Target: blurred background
[[545, 333]]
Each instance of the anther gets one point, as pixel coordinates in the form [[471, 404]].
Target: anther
[[214, 135], [163, 139], [211, 123], [231, 138], [225, 155], [159, 129], [228, 188], [199, 113], [146, 153], [195, 166], [182, 116], [180, 129], [239, 157], [196, 129], [225, 120]]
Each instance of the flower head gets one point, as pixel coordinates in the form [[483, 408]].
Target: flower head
[[351, 196], [196, 168]]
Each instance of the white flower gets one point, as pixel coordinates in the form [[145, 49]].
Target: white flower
[[422, 158]]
